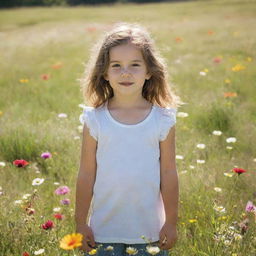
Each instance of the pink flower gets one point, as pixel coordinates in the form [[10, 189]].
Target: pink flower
[[250, 207], [46, 155], [65, 201], [62, 190], [217, 60], [47, 225]]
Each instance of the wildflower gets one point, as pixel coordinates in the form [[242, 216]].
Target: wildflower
[[37, 181], [30, 211], [2, 164], [58, 216], [182, 114], [57, 65], [250, 207], [229, 148], [110, 248], [40, 251], [48, 225], [201, 146], [62, 115], [153, 250], [92, 252], [230, 94], [210, 32], [24, 80], [237, 237], [228, 174], [231, 140], [239, 170], [217, 60], [46, 155], [217, 133], [220, 209], [63, 190], [69, 242], [217, 189], [45, 76], [20, 163], [25, 254], [56, 183], [193, 221], [179, 157], [202, 73], [227, 81], [76, 137], [254, 160], [65, 201], [249, 59], [199, 161], [18, 201], [56, 209], [227, 242], [192, 167], [183, 172], [131, 250], [238, 67], [178, 39]]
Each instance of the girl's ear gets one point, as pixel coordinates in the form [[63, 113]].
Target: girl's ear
[[148, 76], [105, 77]]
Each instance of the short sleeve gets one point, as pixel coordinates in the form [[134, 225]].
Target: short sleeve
[[88, 116], [167, 121]]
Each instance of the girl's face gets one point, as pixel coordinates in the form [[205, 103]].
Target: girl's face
[[127, 69]]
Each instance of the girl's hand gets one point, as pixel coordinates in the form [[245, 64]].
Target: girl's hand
[[168, 236], [88, 242]]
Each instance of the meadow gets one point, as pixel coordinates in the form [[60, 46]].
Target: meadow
[[210, 48]]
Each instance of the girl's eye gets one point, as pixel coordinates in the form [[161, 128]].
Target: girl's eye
[[115, 65], [136, 65]]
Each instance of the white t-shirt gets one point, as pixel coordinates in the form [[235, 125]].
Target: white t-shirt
[[127, 201]]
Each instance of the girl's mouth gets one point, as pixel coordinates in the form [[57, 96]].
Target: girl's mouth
[[126, 84]]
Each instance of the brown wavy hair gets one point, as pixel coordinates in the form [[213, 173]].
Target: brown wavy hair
[[96, 90]]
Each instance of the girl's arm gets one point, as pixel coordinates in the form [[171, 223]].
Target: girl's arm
[[86, 177]]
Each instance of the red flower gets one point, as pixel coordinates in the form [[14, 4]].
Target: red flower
[[58, 216], [45, 76], [217, 60], [239, 170], [48, 225], [25, 254], [20, 163]]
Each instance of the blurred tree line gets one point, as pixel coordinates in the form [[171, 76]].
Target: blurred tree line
[[17, 3]]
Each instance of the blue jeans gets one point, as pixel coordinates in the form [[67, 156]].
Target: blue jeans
[[119, 249]]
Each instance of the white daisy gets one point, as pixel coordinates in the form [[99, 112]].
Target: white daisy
[[131, 250], [201, 146], [62, 115], [192, 167], [229, 148], [56, 209], [18, 201], [2, 164], [80, 128], [153, 250], [40, 251], [199, 161], [202, 73], [179, 157], [26, 196], [220, 209], [217, 189], [231, 140], [217, 133], [56, 183], [37, 181]]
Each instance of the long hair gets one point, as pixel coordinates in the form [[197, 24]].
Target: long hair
[[96, 90]]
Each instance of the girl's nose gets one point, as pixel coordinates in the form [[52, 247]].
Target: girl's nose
[[125, 73]]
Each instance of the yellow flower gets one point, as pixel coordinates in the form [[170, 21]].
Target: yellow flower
[[92, 252], [69, 242], [1, 112], [227, 81], [131, 250], [228, 174], [249, 59], [24, 81], [192, 220], [238, 67], [206, 70]]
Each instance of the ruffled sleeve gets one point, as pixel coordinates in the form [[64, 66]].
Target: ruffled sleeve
[[89, 118], [167, 121]]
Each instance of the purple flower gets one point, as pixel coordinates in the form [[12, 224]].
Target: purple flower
[[63, 190], [250, 207], [65, 201], [46, 155]]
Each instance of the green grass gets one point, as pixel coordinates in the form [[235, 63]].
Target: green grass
[[34, 39]]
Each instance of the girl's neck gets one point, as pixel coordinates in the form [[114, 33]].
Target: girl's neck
[[127, 103]]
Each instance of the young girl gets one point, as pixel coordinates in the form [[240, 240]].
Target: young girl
[[127, 171]]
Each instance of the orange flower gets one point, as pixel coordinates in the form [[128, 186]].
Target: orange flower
[[230, 94], [178, 39], [238, 67], [210, 32], [57, 65], [69, 242], [91, 29]]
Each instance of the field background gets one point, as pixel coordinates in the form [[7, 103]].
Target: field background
[[43, 51]]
